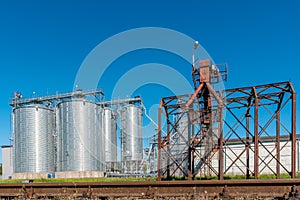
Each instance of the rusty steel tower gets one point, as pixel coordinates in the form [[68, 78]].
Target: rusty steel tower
[[196, 138]]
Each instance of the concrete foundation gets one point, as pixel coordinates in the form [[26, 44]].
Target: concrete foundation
[[66, 174], [79, 174], [30, 175]]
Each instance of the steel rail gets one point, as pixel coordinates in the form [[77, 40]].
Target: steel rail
[[188, 189]]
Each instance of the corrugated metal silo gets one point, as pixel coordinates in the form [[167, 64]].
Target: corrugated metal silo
[[79, 136], [131, 138], [33, 128], [110, 138]]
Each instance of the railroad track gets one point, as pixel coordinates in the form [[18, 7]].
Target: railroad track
[[204, 189]]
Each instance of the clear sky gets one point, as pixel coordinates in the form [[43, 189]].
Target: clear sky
[[43, 43]]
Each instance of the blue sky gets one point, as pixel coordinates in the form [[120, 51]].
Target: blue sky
[[43, 43]]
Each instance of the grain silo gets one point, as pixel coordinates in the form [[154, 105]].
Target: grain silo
[[131, 138], [110, 138], [33, 128], [79, 136]]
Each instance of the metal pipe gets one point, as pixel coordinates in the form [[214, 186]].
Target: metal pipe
[[121, 101], [247, 147], [159, 144], [221, 141], [256, 140], [293, 135], [278, 145], [168, 150], [190, 174]]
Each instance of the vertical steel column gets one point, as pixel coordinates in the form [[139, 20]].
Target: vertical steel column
[[278, 144], [221, 141], [256, 140], [293, 135], [247, 147], [168, 151], [159, 145], [190, 174], [193, 150]]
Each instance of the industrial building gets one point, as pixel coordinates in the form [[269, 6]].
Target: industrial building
[[238, 166], [74, 135], [7, 161]]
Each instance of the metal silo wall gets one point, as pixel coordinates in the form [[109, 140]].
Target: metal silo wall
[[110, 138], [33, 128], [79, 136], [131, 138]]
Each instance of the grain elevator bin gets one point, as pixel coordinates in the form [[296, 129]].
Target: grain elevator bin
[[131, 138], [110, 138], [33, 129], [79, 136]]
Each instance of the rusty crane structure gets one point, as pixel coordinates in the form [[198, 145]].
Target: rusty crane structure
[[192, 128]]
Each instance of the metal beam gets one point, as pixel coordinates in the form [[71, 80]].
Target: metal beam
[[17, 101]]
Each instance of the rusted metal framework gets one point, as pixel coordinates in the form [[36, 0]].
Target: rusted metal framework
[[193, 129]]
